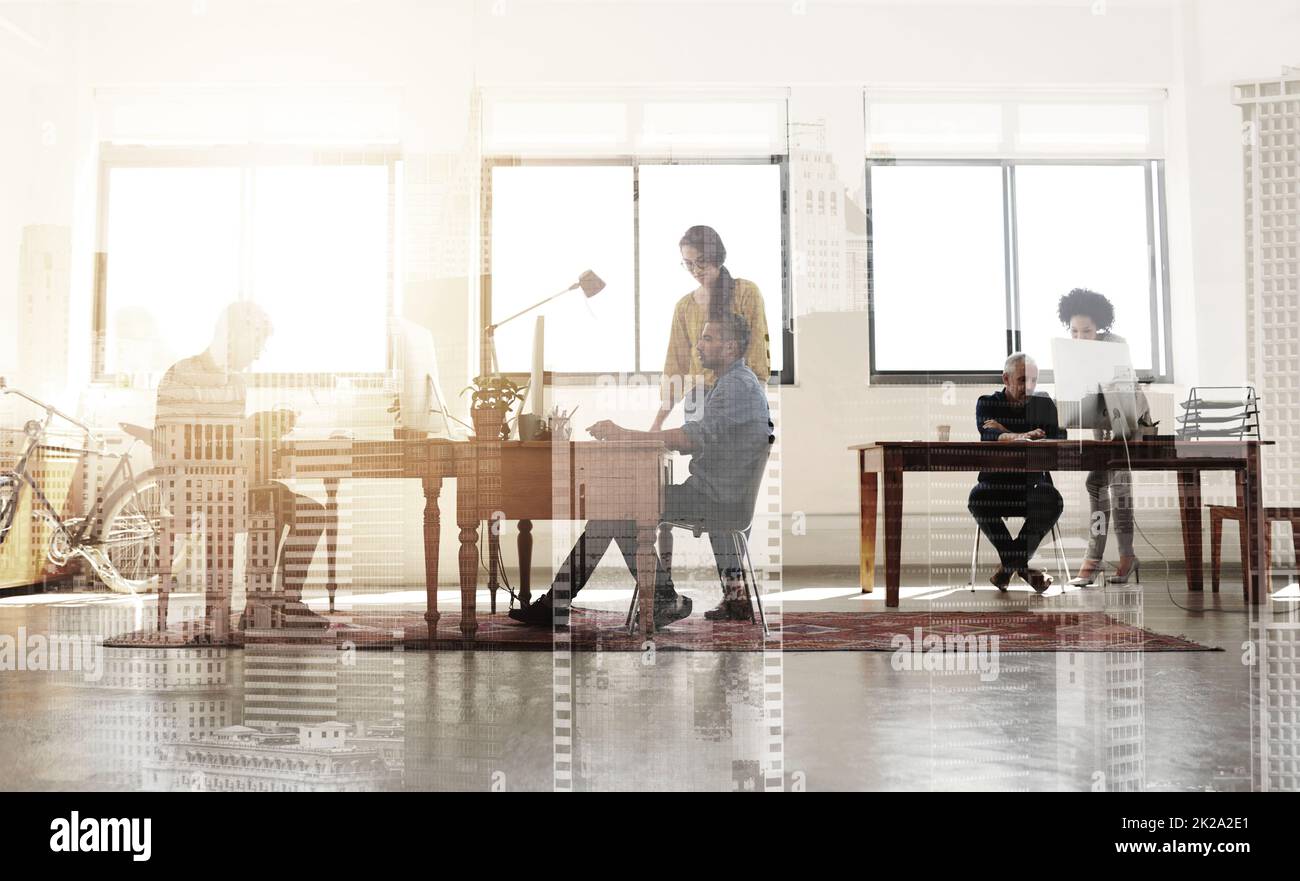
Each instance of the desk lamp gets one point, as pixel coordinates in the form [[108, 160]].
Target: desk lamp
[[590, 283]]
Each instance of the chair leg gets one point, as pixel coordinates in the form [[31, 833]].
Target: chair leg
[[1062, 563], [747, 565], [1246, 549], [974, 559], [744, 573], [1216, 547], [1241, 542], [666, 549], [630, 623]]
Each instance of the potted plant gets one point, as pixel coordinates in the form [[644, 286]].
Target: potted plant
[[493, 394]]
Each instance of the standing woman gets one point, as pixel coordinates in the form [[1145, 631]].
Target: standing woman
[[1089, 316], [704, 256]]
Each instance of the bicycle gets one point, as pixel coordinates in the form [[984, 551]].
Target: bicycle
[[119, 536]]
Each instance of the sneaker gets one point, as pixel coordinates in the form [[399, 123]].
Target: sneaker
[[1001, 579], [668, 610], [730, 610], [537, 613]]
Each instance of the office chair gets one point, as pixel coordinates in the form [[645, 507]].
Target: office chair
[[737, 531], [739, 538], [1056, 540]]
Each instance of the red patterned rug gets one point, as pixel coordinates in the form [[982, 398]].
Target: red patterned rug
[[592, 630]]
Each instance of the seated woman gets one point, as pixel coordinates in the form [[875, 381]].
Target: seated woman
[[1088, 315]]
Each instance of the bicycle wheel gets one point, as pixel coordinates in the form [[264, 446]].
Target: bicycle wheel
[[9, 487], [130, 531]]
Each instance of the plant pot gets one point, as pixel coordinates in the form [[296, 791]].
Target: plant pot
[[488, 422]]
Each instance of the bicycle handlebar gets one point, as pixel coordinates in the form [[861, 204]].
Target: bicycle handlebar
[[48, 408]]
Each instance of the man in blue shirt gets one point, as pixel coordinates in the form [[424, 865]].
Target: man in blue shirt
[[1016, 415], [727, 439]]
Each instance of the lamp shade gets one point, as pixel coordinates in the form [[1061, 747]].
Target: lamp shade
[[591, 283]]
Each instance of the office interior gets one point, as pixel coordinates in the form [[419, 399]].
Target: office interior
[[912, 187]]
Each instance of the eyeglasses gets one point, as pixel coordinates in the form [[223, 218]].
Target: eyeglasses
[[692, 265]]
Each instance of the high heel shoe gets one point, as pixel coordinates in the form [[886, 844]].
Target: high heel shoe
[[1096, 579], [1134, 570]]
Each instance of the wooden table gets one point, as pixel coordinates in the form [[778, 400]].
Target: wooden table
[[525, 481], [890, 460]]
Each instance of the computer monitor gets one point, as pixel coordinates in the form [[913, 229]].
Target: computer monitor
[[1096, 386], [536, 383], [423, 407]]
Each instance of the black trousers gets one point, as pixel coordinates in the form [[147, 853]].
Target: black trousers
[[683, 503], [306, 519], [1039, 503]]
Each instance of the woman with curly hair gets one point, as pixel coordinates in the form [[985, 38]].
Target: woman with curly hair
[[1088, 315]]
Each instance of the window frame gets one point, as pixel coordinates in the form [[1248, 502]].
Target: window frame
[[1157, 229], [785, 376], [246, 158]]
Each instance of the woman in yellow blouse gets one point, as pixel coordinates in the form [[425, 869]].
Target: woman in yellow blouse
[[703, 256]]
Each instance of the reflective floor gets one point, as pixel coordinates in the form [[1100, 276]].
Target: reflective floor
[[274, 716]]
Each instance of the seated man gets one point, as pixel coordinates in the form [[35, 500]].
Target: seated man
[[1013, 415], [728, 445], [203, 398]]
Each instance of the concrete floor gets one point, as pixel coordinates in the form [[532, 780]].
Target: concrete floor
[[841, 721]]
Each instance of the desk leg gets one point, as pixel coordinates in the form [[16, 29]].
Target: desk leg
[[432, 535], [645, 575], [1240, 476], [1189, 510], [467, 519], [1254, 573], [494, 559], [868, 495], [331, 538], [893, 527], [525, 545]]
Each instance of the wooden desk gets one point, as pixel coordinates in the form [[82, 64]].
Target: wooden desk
[[526, 481], [573, 480], [427, 460], [892, 459]]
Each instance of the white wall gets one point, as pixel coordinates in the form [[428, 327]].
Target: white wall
[[438, 52], [1222, 42]]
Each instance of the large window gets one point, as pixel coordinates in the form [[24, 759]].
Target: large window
[[549, 224], [952, 304], [306, 235], [549, 220], [968, 259]]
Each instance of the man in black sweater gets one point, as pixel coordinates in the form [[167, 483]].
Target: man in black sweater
[[1016, 415]]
